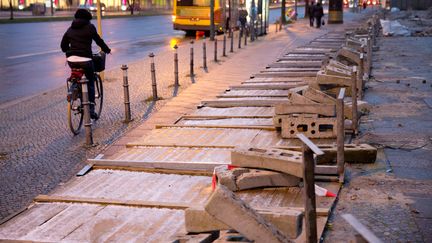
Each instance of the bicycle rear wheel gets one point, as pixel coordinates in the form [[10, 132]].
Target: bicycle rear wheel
[[98, 94], [75, 114]]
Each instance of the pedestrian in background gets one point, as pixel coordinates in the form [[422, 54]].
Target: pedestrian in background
[[311, 14], [318, 13]]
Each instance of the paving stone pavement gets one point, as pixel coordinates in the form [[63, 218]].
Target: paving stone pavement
[[38, 151], [393, 197]]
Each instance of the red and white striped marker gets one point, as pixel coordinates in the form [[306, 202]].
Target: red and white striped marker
[[322, 192]]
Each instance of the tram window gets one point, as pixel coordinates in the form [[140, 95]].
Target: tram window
[[184, 2], [200, 3]]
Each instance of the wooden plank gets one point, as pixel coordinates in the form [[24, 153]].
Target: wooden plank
[[301, 58], [320, 109], [262, 122], [286, 64], [278, 80], [235, 111], [286, 74], [308, 162], [193, 117], [268, 128], [267, 86], [117, 202], [243, 103], [163, 165], [291, 69]]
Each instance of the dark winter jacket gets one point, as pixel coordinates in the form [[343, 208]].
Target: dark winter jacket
[[78, 39], [318, 11], [311, 10]]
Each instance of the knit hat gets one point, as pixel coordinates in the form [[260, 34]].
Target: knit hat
[[82, 13]]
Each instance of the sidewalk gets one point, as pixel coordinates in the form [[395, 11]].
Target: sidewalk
[[40, 152], [392, 197]]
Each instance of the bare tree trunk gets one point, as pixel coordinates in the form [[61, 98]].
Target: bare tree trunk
[[11, 10], [131, 6]]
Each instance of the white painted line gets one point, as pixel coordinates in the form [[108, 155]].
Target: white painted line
[[33, 54], [151, 37]]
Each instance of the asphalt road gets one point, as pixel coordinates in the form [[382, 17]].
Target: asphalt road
[[31, 61]]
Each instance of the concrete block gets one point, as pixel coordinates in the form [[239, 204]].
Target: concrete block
[[277, 119], [244, 178], [336, 71], [340, 65], [349, 53], [353, 153], [227, 208], [296, 98], [288, 162], [318, 96], [265, 178], [321, 127], [336, 80], [287, 220]]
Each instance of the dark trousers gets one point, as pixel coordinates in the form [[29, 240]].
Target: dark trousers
[[89, 73], [311, 21], [318, 21]]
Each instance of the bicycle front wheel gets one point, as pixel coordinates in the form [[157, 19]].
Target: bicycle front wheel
[[98, 94], [75, 115]]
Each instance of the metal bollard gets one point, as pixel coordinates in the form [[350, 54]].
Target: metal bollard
[[153, 77], [126, 94], [232, 41], [246, 36], [191, 73], [255, 29], [204, 54], [86, 104], [176, 72], [224, 45], [215, 49], [240, 38], [276, 27]]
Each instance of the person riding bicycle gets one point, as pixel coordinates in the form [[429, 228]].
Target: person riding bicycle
[[77, 44]]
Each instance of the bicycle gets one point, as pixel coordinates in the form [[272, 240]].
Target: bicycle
[[75, 108]]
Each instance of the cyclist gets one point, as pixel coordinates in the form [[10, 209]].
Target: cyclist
[[76, 43]]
